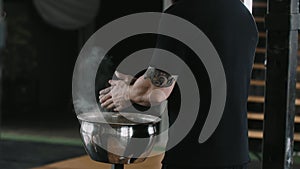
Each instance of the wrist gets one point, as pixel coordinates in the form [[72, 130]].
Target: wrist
[[138, 96], [129, 93]]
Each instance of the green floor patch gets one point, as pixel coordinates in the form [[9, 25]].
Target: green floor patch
[[44, 139], [77, 142], [255, 156]]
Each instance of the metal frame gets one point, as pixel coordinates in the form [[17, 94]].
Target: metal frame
[[2, 39], [117, 166], [282, 23]]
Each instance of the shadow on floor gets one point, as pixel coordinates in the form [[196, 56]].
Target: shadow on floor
[[23, 155]]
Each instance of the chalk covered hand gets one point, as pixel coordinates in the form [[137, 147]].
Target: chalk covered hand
[[116, 96]]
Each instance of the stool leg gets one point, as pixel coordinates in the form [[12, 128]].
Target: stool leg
[[117, 166]]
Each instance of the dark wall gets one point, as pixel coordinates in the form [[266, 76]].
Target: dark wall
[[38, 63], [39, 59], [113, 9]]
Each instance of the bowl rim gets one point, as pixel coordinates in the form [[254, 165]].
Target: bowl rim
[[81, 118]]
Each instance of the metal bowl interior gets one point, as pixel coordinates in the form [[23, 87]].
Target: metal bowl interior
[[118, 138]]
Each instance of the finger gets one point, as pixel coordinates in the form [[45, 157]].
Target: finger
[[120, 75], [113, 82], [118, 108], [101, 96], [104, 98], [105, 91], [112, 105], [126, 78], [107, 103]]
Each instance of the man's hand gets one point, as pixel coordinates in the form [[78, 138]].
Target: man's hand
[[154, 87], [116, 96]]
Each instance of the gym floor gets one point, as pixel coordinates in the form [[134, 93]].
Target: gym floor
[[33, 145]]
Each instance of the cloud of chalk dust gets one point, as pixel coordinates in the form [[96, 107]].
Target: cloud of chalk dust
[[84, 96]]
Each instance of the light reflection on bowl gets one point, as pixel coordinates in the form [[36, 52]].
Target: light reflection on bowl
[[115, 138]]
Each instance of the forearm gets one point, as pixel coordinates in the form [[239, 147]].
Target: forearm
[[139, 92], [144, 93]]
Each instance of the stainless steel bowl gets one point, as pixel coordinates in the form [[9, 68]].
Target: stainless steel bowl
[[118, 138]]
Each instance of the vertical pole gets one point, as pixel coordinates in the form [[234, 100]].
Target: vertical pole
[[282, 23], [2, 39], [117, 166]]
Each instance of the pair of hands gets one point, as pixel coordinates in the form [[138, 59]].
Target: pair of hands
[[117, 96]]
